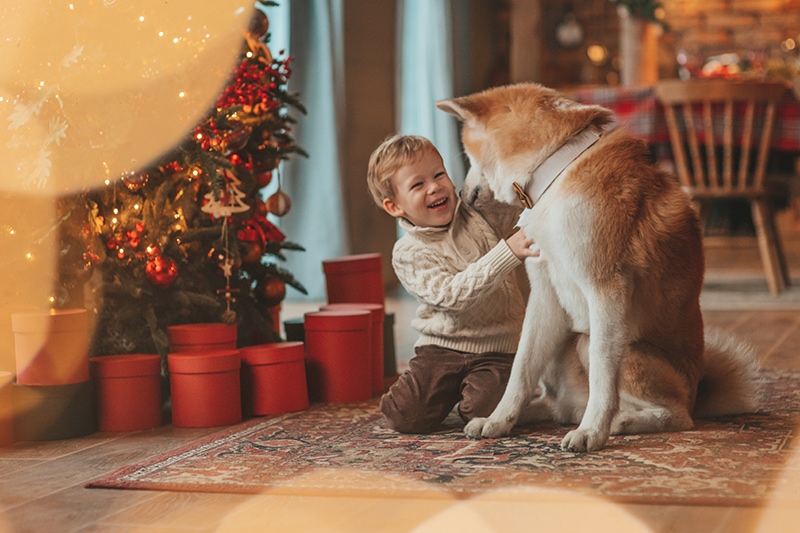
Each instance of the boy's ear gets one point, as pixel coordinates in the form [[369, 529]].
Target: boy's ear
[[392, 208]]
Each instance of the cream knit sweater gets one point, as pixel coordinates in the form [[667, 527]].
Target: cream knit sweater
[[463, 277]]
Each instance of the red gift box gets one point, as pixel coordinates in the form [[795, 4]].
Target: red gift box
[[354, 278], [339, 355], [51, 347], [274, 378], [127, 391], [202, 337], [377, 313], [205, 388]]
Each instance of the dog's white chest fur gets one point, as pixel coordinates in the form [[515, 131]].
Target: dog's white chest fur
[[561, 225]]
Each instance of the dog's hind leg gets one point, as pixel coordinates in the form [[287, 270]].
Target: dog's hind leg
[[545, 331], [637, 416]]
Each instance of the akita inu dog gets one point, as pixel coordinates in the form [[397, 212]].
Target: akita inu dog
[[613, 338]]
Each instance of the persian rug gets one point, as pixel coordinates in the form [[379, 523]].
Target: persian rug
[[346, 449]]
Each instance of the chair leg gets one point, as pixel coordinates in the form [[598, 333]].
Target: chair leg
[[769, 246]]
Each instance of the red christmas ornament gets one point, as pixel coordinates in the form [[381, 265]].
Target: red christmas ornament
[[135, 180], [161, 271], [259, 207], [263, 179], [259, 26], [252, 243], [270, 291]]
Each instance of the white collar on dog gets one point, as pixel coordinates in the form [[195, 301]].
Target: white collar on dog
[[551, 168]]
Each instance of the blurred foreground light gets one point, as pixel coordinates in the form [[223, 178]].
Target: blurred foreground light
[[92, 89]]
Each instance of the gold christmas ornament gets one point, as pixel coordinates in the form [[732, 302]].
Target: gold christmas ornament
[[279, 203]]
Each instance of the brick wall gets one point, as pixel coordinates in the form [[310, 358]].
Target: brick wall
[[700, 27]]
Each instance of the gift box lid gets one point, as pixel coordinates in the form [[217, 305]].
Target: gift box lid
[[376, 310], [202, 333], [204, 362], [273, 353], [352, 263], [342, 320], [50, 320], [125, 365]]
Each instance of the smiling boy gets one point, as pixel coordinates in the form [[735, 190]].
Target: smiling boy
[[454, 262]]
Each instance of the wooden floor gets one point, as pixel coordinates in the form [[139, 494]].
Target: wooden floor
[[41, 484]]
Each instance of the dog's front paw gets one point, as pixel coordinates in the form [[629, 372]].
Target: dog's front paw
[[486, 428], [583, 440], [474, 427], [494, 428]]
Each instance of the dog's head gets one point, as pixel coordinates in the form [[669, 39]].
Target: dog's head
[[509, 131]]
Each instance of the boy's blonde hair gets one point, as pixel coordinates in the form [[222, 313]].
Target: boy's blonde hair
[[392, 154]]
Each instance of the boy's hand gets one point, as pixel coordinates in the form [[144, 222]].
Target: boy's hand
[[521, 245]]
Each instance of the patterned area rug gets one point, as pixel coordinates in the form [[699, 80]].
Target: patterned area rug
[[346, 449]]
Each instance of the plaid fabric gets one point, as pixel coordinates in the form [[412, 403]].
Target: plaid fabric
[[637, 110]]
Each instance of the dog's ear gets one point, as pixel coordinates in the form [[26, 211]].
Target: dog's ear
[[463, 108], [581, 115]]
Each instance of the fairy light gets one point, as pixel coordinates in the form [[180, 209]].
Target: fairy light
[[29, 256], [181, 94]]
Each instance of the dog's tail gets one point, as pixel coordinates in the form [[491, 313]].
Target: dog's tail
[[730, 384]]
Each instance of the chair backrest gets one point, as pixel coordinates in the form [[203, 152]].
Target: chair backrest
[[744, 109]]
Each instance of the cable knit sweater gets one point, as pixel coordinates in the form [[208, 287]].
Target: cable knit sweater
[[462, 276]]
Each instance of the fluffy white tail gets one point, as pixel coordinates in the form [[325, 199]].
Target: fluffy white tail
[[730, 384]]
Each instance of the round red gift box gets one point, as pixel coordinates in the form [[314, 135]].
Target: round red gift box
[[201, 337], [354, 278], [127, 391], [339, 355], [274, 378], [205, 388], [377, 312], [51, 347]]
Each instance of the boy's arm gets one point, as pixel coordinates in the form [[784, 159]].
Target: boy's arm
[[433, 280], [501, 216]]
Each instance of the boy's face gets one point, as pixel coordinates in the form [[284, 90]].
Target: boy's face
[[424, 193]]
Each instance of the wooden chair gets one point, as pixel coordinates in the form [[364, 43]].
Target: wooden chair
[[731, 161]]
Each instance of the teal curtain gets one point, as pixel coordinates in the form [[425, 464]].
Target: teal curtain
[[425, 75], [313, 30]]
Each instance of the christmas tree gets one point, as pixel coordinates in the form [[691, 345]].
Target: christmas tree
[[188, 239]]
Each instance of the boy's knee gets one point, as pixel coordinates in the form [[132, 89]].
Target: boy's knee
[[478, 404], [404, 420]]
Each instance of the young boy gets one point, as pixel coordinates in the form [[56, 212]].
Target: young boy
[[453, 262]]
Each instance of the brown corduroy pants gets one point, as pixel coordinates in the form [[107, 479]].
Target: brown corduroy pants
[[437, 379]]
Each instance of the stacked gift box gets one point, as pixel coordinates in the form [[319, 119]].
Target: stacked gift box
[[52, 393]]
